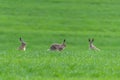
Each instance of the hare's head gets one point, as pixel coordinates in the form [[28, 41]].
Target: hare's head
[[91, 40], [22, 42], [92, 46], [23, 45]]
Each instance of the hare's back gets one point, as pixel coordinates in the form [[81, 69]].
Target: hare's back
[[54, 46]]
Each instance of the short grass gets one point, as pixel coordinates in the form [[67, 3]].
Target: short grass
[[43, 22]]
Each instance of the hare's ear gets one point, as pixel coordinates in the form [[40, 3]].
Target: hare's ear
[[89, 39], [64, 41], [92, 39], [20, 39]]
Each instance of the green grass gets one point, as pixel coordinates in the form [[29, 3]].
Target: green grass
[[43, 22]]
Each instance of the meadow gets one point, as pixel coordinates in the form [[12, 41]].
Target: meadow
[[43, 22]]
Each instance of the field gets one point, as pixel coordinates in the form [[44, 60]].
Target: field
[[43, 22]]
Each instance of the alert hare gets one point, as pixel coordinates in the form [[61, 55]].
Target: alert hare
[[58, 47], [23, 45], [92, 46]]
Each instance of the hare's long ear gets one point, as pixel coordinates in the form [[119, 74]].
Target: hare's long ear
[[64, 41], [89, 40], [92, 39], [21, 39]]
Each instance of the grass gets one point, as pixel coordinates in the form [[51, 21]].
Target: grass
[[44, 22], [60, 65]]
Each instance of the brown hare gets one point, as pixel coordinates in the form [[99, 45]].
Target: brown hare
[[92, 46], [23, 45], [58, 47]]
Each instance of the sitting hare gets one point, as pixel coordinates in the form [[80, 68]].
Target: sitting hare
[[23, 45], [58, 47], [92, 46]]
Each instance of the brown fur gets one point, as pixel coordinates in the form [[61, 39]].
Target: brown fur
[[58, 47], [92, 46], [23, 45]]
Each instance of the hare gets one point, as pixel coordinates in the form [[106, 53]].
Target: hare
[[92, 46], [23, 45], [58, 47]]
